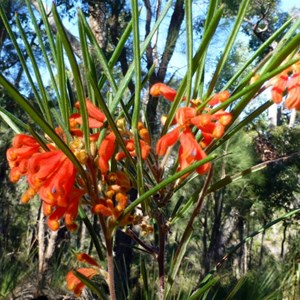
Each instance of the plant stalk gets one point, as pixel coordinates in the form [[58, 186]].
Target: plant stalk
[[110, 269], [161, 255]]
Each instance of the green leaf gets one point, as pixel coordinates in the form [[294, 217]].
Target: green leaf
[[207, 36], [124, 82], [208, 282], [166, 182], [90, 284], [236, 28], [76, 74], [38, 76], [137, 96]]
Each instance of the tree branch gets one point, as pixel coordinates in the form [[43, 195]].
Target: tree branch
[[73, 40]]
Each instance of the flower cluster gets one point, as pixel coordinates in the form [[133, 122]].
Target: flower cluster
[[115, 197], [211, 125], [288, 82], [50, 174]]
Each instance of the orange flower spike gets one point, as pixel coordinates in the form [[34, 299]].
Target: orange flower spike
[[106, 151], [119, 156], [161, 89], [118, 181], [93, 111], [122, 201], [166, 141], [87, 259], [190, 152], [204, 168], [21, 140], [144, 134], [23, 147], [130, 146], [53, 219], [102, 209], [47, 209], [29, 194], [220, 97], [59, 184], [145, 149], [184, 114], [42, 165], [72, 209], [218, 131], [201, 120], [223, 117], [206, 139], [293, 99], [189, 146], [15, 175], [279, 87], [74, 284]]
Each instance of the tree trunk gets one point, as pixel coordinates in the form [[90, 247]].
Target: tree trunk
[[292, 118], [283, 239], [151, 56], [273, 116], [215, 252], [262, 247]]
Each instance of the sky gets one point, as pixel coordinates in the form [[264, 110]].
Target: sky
[[178, 61], [289, 4]]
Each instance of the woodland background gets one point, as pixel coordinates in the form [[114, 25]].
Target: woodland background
[[264, 264]]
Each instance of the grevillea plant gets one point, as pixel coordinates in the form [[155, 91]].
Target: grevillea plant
[[84, 159]]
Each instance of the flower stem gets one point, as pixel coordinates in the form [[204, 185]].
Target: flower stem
[[110, 268], [161, 255]]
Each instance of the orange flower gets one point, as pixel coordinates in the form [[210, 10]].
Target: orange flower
[[75, 284], [145, 150], [50, 174], [218, 98], [116, 198], [96, 119], [293, 99], [212, 126], [279, 86], [23, 147], [288, 82], [96, 116], [167, 140], [87, 259], [72, 209], [106, 151], [107, 207], [118, 181], [53, 175], [190, 151], [161, 89], [184, 115]]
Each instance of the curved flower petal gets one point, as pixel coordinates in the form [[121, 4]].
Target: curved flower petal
[[106, 151], [279, 87], [184, 115], [167, 140], [218, 98], [161, 89], [293, 99], [87, 259]]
